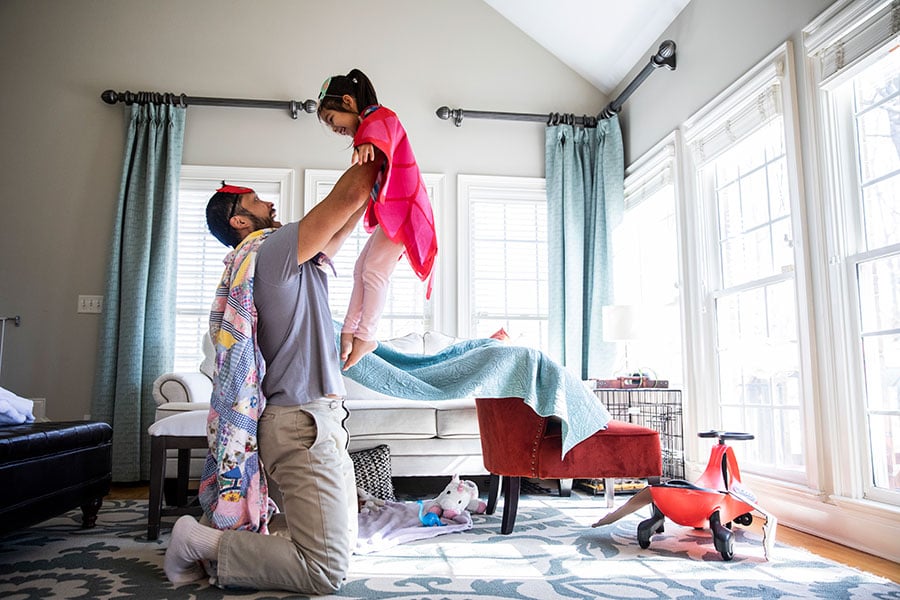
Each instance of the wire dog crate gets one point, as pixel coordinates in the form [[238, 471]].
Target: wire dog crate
[[658, 409]]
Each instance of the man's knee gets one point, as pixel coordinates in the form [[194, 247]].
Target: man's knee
[[326, 581]]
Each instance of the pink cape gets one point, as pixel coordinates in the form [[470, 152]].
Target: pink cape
[[402, 208]]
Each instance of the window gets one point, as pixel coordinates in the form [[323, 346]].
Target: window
[[503, 258], [857, 67], [741, 151], [645, 257], [200, 255], [406, 309]]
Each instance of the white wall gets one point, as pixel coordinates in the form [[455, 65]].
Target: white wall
[[62, 146], [717, 42]]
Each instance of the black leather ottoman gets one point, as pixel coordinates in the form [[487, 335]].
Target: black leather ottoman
[[50, 468]]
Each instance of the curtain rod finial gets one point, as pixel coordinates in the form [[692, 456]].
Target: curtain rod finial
[[445, 113], [665, 56], [110, 96]]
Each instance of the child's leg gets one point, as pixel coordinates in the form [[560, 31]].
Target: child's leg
[[380, 262], [355, 308], [376, 262]]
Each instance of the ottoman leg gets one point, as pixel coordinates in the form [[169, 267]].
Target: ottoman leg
[[89, 512]]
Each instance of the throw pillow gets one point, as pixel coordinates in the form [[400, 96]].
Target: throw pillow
[[501, 335], [373, 471]]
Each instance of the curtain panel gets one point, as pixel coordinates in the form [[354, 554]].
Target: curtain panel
[[585, 201], [137, 330]]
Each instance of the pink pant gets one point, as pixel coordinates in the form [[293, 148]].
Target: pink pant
[[371, 277]]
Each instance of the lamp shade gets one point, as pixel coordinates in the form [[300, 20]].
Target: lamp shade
[[622, 322]]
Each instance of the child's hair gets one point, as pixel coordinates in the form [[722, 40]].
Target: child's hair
[[355, 83]]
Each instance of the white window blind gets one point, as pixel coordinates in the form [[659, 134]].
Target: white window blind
[[714, 134], [844, 36], [503, 258], [406, 309], [199, 264], [649, 175]]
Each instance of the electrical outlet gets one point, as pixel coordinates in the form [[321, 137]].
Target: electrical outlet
[[90, 304], [39, 410]]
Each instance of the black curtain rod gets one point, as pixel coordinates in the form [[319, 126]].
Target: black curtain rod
[[293, 106], [665, 56]]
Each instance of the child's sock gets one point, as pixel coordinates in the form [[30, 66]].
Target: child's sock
[[190, 542]]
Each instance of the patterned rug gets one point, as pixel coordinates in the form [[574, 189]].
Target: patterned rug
[[552, 553]]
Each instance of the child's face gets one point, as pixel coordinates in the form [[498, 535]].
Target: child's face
[[342, 123]]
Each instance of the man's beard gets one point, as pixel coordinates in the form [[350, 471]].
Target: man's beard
[[259, 223]]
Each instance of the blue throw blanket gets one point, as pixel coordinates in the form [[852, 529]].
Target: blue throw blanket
[[486, 368]]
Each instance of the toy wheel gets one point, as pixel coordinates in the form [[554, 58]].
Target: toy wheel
[[744, 519], [723, 538], [647, 527]]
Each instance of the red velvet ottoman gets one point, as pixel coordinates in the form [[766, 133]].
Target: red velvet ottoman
[[517, 442]]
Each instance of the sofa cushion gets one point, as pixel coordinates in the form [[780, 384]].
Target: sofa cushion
[[411, 419], [435, 341], [391, 422], [176, 408], [411, 343], [457, 421]]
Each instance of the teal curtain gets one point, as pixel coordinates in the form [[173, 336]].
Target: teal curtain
[[585, 198], [138, 324]]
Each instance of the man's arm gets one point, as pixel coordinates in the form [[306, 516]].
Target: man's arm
[[335, 243], [319, 228]]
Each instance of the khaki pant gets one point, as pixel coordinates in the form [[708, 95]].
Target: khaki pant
[[304, 451]]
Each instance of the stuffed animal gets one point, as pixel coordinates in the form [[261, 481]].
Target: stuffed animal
[[457, 497], [368, 502]]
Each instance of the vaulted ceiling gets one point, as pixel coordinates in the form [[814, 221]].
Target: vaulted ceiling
[[601, 40]]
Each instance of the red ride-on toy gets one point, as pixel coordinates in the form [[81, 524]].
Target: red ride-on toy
[[716, 498]]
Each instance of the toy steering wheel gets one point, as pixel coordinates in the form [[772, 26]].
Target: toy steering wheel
[[726, 435]]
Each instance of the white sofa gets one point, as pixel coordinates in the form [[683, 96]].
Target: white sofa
[[425, 438]]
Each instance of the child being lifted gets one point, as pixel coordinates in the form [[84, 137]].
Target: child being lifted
[[398, 214]]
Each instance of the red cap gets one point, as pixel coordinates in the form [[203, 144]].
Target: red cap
[[234, 189]]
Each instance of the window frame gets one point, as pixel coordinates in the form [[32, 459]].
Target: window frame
[[434, 183], [839, 45], [657, 168], [482, 186], [715, 119], [207, 179]]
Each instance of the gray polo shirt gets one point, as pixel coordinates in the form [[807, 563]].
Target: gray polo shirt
[[295, 331]]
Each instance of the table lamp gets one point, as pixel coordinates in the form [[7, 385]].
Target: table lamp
[[622, 323]]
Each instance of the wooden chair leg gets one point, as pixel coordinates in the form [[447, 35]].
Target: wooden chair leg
[[157, 474], [493, 492], [565, 487], [184, 472], [511, 486]]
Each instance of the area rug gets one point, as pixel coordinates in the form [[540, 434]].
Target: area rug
[[552, 553]]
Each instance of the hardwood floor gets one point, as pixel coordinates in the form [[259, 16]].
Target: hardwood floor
[[792, 537]]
